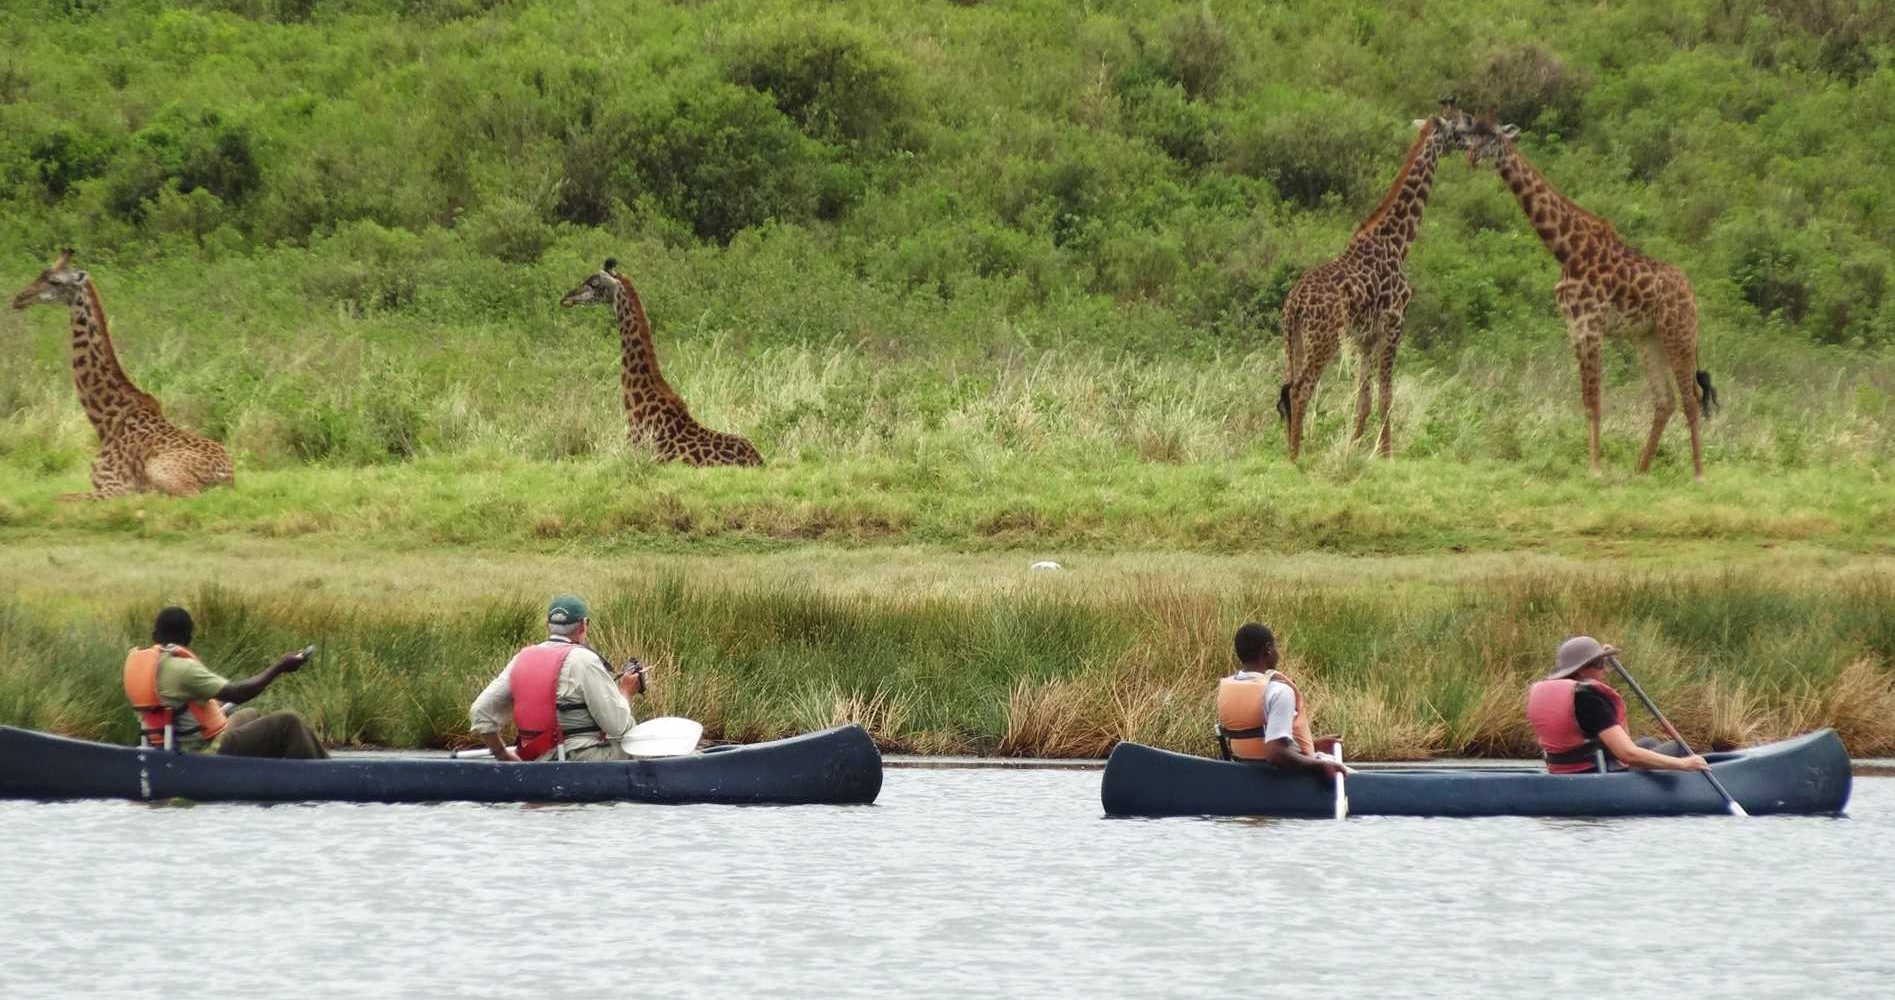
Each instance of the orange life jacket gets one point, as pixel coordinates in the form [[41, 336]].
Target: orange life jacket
[[154, 716], [1240, 715], [1567, 748], [534, 681]]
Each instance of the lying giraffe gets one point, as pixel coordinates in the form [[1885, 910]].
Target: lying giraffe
[[139, 449], [655, 411], [1361, 296], [1606, 288]]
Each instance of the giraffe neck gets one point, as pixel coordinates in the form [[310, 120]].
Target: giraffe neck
[[1561, 224], [638, 370], [1397, 220], [104, 389]]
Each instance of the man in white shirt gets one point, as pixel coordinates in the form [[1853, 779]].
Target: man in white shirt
[[1260, 713]]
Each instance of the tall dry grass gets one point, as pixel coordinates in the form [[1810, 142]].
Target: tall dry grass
[[1400, 670]]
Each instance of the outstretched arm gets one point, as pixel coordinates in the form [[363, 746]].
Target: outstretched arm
[[238, 692]]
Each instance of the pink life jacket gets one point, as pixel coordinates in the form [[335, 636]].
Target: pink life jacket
[[534, 681], [1566, 747]]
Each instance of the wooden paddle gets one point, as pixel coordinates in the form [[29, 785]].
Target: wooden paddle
[[1729, 799]]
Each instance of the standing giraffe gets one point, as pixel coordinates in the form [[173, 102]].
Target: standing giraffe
[[138, 448], [654, 410], [1361, 295], [1609, 289]]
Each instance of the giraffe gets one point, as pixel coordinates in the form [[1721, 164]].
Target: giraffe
[[1607, 289], [1361, 295], [139, 449], [655, 411]]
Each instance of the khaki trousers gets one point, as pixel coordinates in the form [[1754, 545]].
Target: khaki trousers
[[250, 733]]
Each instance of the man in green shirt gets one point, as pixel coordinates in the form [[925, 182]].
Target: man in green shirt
[[168, 674]]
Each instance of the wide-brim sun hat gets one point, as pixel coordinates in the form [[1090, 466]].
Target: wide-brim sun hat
[[1576, 654]]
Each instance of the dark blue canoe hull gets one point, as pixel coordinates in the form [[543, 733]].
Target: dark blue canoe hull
[[836, 767], [1808, 774]]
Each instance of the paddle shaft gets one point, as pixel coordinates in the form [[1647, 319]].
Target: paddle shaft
[[1652, 707], [1342, 795]]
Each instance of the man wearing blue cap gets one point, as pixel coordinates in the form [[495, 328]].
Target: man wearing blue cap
[[560, 696]]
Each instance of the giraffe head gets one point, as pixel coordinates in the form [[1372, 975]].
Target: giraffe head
[[596, 289], [57, 285], [1451, 126], [1486, 140]]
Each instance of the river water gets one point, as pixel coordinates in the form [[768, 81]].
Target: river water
[[958, 883]]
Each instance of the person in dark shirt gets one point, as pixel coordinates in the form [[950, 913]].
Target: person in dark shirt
[[1577, 686]]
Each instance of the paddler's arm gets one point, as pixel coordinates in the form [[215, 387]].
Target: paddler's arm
[[1283, 753], [1620, 745], [238, 692], [500, 749], [492, 710], [605, 702]]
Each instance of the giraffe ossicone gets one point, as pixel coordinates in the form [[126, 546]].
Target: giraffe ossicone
[[655, 413], [139, 450]]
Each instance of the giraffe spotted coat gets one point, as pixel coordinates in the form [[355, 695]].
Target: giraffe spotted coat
[[139, 450], [656, 414], [1608, 289]]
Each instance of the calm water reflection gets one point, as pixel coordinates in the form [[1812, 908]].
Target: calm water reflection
[[960, 883]]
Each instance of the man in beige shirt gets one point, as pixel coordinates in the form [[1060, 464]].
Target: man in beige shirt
[[594, 707]]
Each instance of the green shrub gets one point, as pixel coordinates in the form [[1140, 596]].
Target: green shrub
[[1526, 85], [836, 84], [1335, 149]]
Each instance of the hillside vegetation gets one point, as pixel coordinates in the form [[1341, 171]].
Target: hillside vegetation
[[335, 232]]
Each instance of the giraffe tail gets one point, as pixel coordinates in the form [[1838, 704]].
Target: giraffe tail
[[1283, 401], [1707, 396]]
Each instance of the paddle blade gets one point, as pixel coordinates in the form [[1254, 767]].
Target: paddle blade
[[665, 736], [1737, 810]]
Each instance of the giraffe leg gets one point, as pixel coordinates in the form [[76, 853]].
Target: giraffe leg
[[109, 479], [1364, 372], [1658, 378], [1586, 341], [1385, 378], [1679, 337], [1322, 348]]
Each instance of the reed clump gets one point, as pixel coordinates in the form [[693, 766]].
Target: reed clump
[[1402, 670]]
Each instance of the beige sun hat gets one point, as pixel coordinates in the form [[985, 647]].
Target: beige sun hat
[[1576, 654]]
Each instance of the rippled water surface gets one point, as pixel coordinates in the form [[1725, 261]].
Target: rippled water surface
[[959, 883]]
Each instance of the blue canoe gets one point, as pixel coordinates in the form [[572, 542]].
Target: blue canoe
[[836, 767], [1808, 774]]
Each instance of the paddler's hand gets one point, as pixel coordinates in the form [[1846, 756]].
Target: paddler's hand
[[1693, 763], [292, 662], [1331, 769], [507, 756], [636, 680]]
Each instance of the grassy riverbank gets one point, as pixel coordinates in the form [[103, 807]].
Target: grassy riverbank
[[985, 283], [962, 654]]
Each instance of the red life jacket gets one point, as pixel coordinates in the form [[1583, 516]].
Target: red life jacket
[[154, 716], [534, 681], [1566, 747]]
